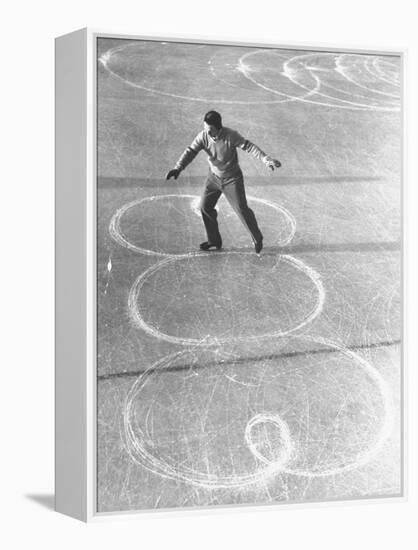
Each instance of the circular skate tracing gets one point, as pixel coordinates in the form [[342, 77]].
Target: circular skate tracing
[[350, 81], [212, 419], [169, 225], [258, 76], [208, 299]]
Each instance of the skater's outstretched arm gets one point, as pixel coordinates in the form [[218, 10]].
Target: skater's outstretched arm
[[253, 149], [186, 158]]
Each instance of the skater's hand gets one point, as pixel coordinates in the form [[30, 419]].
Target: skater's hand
[[273, 163], [173, 174]]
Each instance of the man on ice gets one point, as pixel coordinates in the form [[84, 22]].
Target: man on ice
[[225, 176]]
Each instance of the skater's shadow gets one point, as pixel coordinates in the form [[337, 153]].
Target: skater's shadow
[[333, 247], [309, 248]]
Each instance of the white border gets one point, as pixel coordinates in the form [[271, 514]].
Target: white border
[[91, 277], [224, 41], [72, 436]]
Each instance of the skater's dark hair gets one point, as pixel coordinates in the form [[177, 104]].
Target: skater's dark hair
[[213, 119]]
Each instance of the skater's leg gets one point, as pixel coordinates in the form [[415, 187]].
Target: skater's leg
[[234, 191], [208, 202]]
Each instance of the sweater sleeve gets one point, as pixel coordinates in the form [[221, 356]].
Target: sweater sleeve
[[249, 147], [190, 152]]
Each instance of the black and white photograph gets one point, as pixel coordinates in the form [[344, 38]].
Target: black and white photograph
[[209, 275], [248, 275]]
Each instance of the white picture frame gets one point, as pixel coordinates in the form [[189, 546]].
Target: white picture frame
[[76, 268]]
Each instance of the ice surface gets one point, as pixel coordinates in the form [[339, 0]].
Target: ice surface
[[228, 378]]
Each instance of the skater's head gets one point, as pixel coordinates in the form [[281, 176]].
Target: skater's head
[[213, 118], [212, 123]]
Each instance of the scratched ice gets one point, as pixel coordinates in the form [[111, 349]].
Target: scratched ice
[[210, 389], [180, 218], [346, 81], [231, 296], [211, 419]]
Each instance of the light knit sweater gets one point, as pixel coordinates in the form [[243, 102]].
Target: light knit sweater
[[221, 151]]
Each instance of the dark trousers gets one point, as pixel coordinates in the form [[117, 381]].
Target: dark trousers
[[234, 191]]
